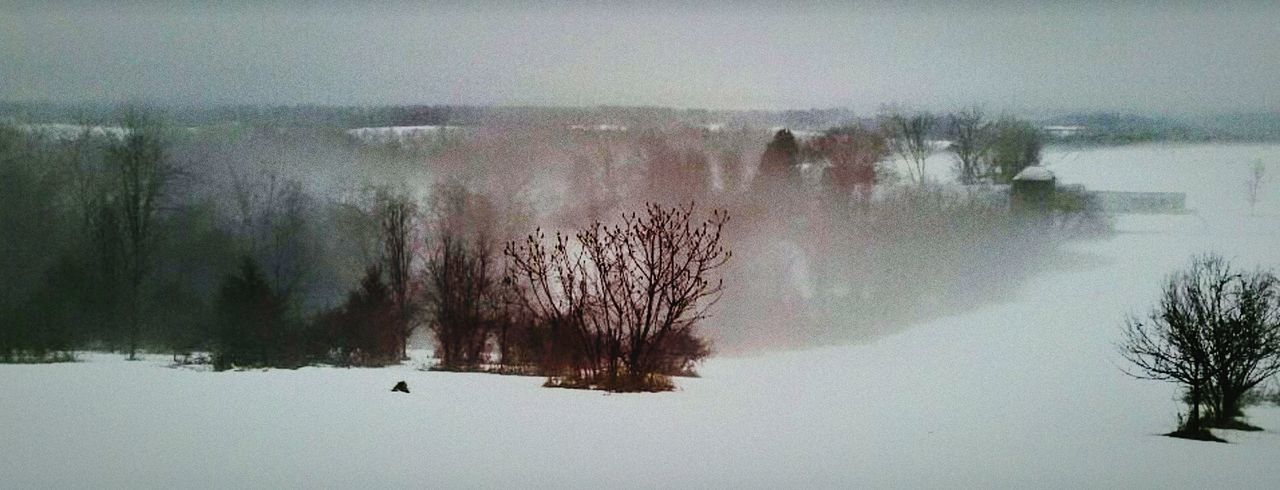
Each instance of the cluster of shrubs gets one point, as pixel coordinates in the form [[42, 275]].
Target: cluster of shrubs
[[621, 303], [597, 312], [256, 329]]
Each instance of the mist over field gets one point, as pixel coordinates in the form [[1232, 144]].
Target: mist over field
[[582, 245]]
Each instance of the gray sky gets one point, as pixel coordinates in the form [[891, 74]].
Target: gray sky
[[1162, 56]]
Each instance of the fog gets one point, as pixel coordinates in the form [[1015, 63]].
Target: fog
[[876, 244], [1022, 56], [820, 257]]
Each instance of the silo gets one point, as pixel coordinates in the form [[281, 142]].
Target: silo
[[1032, 191]]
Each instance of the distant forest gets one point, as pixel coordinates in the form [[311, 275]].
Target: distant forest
[[1097, 128]]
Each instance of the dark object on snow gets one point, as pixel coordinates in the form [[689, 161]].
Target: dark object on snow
[[401, 387]]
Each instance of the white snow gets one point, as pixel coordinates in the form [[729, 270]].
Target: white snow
[[387, 134], [72, 131], [599, 128], [1022, 394], [1034, 173]]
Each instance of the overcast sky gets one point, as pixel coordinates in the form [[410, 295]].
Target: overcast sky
[[1161, 57]]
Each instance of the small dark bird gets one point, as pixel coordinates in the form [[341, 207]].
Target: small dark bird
[[401, 387]]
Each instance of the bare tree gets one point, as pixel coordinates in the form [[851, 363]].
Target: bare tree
[[1245, 341], [459, 295], [398, 221], [461, 278], [550, 283], [273, 221], [1257, 175], [853, 154], [142, 172], [970, 142], [1169, 346], [1216, 332], [288, 252], [909, 139], [660, 283]]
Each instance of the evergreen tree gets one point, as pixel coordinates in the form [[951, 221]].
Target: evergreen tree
[[366, 331], [781, 157], [251, 319]]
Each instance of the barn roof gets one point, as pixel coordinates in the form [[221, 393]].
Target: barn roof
[[1034, 173]]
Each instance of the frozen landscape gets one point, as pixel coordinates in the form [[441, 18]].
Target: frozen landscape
[[1022, 393], [612, 244]]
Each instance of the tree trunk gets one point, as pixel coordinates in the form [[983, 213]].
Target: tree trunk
[[133, 322], [1193, 419], [1228, 407]]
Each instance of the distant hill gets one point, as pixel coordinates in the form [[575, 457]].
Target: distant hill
[[1122, 128], [1256, 126], [1119, 128], [348, 117], [300, 115], [1089, 128]]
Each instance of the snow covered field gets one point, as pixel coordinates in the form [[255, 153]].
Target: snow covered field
[[403, 134], [1022, 394]]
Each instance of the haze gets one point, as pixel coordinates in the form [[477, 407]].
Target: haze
[[1165, 57]]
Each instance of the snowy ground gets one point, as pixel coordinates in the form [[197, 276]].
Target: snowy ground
[[402, 134], [1022, 394]]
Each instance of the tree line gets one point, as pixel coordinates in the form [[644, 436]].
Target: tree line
[[285, 246]]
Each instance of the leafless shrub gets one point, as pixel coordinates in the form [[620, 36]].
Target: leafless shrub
[[623, 294]]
